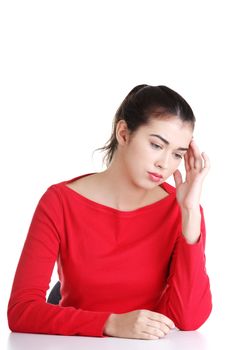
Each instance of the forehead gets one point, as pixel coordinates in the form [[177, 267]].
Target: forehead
[[172, 129]]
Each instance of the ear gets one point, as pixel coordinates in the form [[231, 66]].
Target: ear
[[122, 132]]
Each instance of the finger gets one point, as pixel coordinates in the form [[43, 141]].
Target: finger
[[159, 325], [177, 177], [161, 318], [155, 331], [147, 335], [186, 163], [197, 156], [206, 166], [190, 158]]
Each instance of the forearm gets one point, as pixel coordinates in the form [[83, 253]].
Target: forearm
[[38, 316], [187, 298], [191, 224]]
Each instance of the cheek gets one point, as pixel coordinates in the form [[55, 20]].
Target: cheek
[[138, 152], [138, 160], [133, 159], [175, 163]]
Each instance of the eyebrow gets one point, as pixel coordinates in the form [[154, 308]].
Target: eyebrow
[[168, 143]]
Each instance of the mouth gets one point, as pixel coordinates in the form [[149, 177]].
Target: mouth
[[155, 176]]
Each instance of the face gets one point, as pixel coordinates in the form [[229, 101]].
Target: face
[[157, 147]]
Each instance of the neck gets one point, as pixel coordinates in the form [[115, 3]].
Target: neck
[[122, 191]]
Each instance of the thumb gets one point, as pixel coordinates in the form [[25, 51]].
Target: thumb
[[177, 177]]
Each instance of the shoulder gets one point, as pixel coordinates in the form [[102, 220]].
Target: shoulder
[[72, 182], [57, 186], [58, 191], [50, 198], [52, 194]]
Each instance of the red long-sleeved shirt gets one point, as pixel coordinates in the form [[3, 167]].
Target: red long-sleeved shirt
[[109, 261]]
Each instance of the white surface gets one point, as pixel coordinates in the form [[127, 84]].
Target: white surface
[[175, 340], [211, 336], [55, 56], [203, 339]]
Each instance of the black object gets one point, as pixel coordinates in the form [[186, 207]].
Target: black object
[[55, 295]]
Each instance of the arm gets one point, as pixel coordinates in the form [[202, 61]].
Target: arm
[[27, 309], [187, 297]]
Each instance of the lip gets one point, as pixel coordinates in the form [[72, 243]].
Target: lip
[[156, 175]]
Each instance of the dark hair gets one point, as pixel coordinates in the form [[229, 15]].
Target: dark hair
[[141, 104]]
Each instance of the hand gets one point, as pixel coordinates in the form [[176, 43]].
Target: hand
[[188, 193], [139, 324]]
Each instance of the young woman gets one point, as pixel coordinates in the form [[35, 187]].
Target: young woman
[[130, 247]]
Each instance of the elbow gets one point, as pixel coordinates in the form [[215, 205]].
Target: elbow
[[17, 318], [13, 320], [13, 327], [192, 322], [12, 324]]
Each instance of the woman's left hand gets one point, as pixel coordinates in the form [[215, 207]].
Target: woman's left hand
[[188, 192]]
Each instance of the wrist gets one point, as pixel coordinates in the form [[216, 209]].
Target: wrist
[[110, 325], [191, 210], [191, 224]]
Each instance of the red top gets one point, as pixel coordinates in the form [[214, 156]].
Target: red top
[[109, 261]]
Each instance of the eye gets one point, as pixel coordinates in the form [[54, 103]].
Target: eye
[[154, 145], [178, 156]]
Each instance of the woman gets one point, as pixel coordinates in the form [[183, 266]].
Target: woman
[[130, 248]]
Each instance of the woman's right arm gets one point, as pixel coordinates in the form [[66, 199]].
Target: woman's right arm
[[28, 311]]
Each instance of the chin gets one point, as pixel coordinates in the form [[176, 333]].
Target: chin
[[149, 185]]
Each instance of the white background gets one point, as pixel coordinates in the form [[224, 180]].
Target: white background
[[66, 66]]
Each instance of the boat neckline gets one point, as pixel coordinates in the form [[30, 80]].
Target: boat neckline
[[168, 188]]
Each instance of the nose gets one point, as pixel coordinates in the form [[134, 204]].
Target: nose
[[163, 161]]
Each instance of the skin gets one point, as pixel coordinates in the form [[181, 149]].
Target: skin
[[127, 180]]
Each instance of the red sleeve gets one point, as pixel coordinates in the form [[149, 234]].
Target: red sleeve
[[187, 297], [27, 308]]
